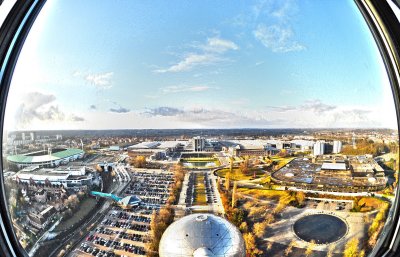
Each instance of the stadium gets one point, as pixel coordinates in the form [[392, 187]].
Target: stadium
[[49, 158]]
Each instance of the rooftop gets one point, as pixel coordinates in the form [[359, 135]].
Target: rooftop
[[333, 166], [29, 158]]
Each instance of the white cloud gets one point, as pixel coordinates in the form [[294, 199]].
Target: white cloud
[[277, 38], [316, 114], [212, 118], [273, 25], [220, 45], [204, 55], [190, 61], [36, 106], [99, 80], [179, 89]]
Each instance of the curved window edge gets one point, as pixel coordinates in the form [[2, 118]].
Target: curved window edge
[[385, 29], [13, 33]]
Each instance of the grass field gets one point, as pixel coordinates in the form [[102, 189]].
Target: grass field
[[238, 175], [200, 191], [85, 206], [281, 161]]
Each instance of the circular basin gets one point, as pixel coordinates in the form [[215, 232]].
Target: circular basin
[[322, 228]]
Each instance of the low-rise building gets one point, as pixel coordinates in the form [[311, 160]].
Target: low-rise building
[[68, 177], [41, 219]]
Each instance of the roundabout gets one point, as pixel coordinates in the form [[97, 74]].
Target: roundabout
[[322, 228]]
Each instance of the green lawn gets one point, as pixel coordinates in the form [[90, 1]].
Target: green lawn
[[200, 191]]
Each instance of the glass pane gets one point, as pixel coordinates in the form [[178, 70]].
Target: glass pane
[[276, 116]]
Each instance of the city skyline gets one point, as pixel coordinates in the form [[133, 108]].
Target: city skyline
[[230, 66]]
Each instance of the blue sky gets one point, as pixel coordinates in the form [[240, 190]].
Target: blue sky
[[199, 64]]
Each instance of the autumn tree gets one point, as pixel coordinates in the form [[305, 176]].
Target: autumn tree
[[351, 249], [244, 166], [310, 248], [139, 161], [244, 228], [179, 175], [300, 198], [158, 224], [259, 229], [231, 164], [227, 181], [234, 194], [251, 247]]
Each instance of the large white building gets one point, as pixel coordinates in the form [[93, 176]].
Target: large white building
[[319, 148], [199, 144], [69, 176], [337, 146]]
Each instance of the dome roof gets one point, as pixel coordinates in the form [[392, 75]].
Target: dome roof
[[202, 235]]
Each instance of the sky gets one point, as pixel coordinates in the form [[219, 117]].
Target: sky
[[124, 64]]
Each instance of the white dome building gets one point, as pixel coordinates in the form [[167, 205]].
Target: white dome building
[[202, 235]]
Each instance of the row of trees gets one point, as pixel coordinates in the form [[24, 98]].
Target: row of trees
[[367, 147], [377, 226], [165, 216], [352, 249], [159, 222], [179, 175]]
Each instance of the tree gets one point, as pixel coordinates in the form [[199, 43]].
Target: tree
[[231, 164], [227, 181], [289, 248], [251, 247], [310, 248], [269, 218], [351, 248], [234, 194], [72, 201], [158, 224], [259, 229], [300, 198], [244, 166], [244, 228], [139, 161]]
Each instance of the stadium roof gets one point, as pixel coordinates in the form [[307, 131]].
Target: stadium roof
[[24, 158]]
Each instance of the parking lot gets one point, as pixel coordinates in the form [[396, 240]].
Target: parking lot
[[125, 232], [330, 205], [192, 190]]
